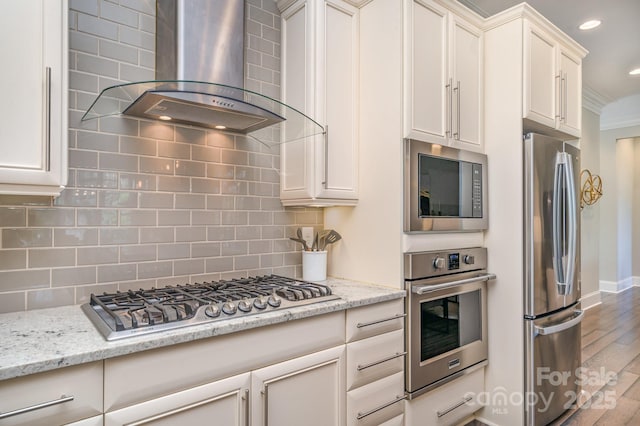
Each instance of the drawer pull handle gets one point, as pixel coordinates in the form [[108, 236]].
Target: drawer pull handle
[[397, 355], [453, 407], [61, 400], [382, 407], [367, 324]]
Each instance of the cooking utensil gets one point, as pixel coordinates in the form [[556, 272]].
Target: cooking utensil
[[305, 247], [331, 237], [314, 246]]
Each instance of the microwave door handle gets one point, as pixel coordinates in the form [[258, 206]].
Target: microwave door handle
[[556, 209], [429, 288]]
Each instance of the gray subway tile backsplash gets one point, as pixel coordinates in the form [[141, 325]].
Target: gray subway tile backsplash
[[52, 257], [149, 203], [13, 216], [26, 237]]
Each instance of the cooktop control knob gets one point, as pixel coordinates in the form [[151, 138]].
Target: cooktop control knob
[[468, 259], [439, 263], [274, 301], [212, 311], [229, 308], [260, 303], [245, 306]]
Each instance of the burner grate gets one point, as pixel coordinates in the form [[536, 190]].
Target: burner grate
[[176, 306]]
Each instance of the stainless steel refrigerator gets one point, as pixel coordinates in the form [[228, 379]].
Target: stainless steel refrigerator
[[552, 312]]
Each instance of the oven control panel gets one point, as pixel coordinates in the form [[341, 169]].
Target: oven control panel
[[435, 263]]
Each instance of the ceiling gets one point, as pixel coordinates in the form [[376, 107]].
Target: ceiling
[[614, 47]]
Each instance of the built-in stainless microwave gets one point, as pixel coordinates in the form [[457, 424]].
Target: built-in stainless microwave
[[445, 189]]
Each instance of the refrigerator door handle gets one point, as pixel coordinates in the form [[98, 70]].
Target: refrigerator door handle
[[572, 221], [556, 206], [545, 331]]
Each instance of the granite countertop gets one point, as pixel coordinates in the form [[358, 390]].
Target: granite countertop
[[46, 339]]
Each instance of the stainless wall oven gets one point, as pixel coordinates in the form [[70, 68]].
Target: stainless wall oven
[[446, 328], [444, 188]]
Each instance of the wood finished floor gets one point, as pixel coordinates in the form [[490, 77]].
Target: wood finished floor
[[610, 348]]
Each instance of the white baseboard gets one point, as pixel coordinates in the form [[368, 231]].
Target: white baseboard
[[590, 300], [618, 286]]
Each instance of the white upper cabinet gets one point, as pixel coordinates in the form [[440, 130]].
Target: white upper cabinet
[[552, 81], [33, 135], [320, 78], [443, 76]]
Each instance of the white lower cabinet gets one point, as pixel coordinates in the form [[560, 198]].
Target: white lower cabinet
[[62, 396], [304, 391], [377, 402], [448, 404], [225, 402], [375, 364]]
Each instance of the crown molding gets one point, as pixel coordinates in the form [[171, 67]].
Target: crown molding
[[593, 101]]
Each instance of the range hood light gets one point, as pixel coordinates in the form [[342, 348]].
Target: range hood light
[[220, 127], [635, 71], [164, 118]]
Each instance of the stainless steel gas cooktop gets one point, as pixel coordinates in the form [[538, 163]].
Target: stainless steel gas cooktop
[[134, 312]]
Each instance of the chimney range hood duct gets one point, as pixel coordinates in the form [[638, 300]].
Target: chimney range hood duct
[[200, 77]]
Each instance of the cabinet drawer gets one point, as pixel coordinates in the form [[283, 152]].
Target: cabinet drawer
[[396, 421], [377, 402], [82, 382], [375, 319], [447, 405], [372, 359]]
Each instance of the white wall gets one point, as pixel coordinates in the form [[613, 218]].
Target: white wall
[[617, 153], [590, 215], [635, 258]]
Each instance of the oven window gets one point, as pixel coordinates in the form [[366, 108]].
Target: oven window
[[449, 323]]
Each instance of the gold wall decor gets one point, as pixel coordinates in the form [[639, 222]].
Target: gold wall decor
[[591, 190]]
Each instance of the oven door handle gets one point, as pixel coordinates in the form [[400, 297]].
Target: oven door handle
[[429, 288]]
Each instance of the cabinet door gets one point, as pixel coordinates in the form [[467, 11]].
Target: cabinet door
[[320, 73], [571, 93], [337, 59], [33, 154], [466, 73], [224, 402], [428, 92], [297, 157], [306, 391], [541, 81]]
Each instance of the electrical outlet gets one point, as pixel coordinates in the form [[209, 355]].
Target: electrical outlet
[[307, 235]]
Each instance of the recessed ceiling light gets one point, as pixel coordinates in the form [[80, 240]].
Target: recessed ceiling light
[[635, 72], [164, 117], [589, 25]]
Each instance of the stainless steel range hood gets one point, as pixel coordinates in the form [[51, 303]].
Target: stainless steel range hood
[[200, 77]]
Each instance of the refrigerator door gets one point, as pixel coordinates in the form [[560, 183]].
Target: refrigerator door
[[552, 375], [551, 225]]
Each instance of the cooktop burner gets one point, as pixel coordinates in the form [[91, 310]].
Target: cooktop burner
[[134, 312]]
